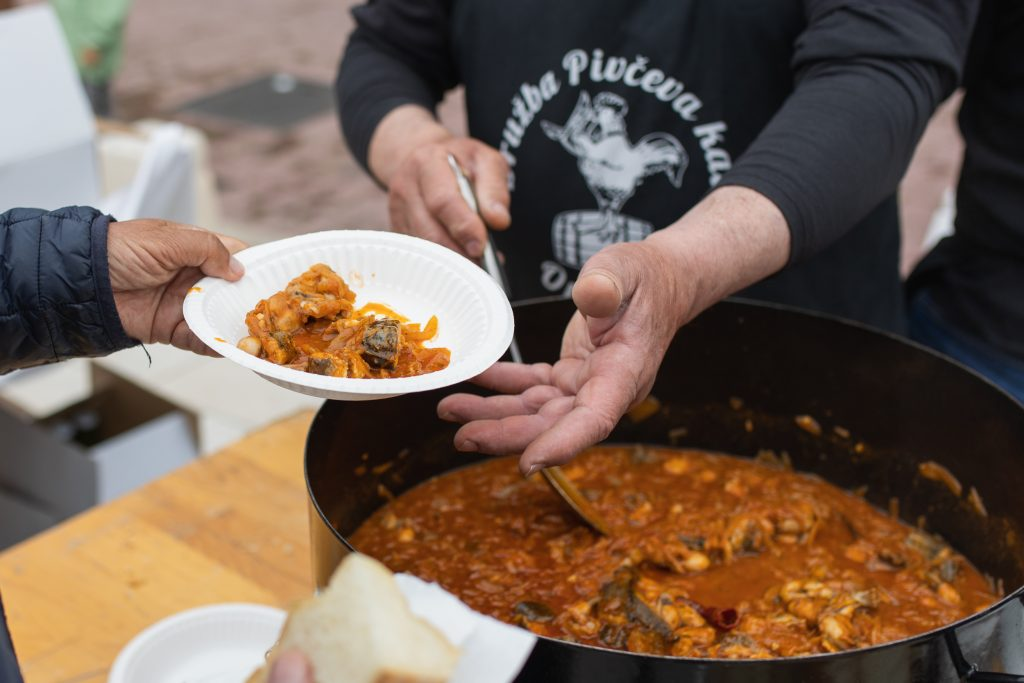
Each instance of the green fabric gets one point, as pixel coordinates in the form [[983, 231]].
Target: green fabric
[[94, 25]]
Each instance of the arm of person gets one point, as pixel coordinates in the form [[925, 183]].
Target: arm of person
[[395, 70], [74, 283], [631, 300], [869, 77]]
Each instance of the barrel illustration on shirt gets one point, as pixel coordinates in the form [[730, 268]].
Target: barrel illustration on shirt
[[613, 168]]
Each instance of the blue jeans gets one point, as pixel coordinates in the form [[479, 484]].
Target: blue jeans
[[928, 327]]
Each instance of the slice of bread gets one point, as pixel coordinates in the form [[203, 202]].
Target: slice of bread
[[360, 630]]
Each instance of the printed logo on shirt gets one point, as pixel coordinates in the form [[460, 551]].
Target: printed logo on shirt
[[612, 166]]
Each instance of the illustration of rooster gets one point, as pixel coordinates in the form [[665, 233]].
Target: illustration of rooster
[[613, 168]]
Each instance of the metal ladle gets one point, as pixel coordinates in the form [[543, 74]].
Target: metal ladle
[[554, 475]]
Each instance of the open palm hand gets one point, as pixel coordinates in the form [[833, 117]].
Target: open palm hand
[[611, 351]]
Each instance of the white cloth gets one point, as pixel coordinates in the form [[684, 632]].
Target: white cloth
[[164, 184], [492, 651]]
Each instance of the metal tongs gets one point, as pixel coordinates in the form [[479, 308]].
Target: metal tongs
[[554, 475]]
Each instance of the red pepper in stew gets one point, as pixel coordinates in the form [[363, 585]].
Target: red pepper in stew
[[723, 619]]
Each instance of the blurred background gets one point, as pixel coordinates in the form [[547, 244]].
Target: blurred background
[[221, 114]]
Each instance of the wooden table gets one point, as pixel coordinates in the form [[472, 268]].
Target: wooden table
[[228, 528]]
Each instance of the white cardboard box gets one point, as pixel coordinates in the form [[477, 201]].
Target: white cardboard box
[[126, 437], [47, 129]]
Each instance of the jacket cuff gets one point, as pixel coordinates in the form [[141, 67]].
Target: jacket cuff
[[117, 337]]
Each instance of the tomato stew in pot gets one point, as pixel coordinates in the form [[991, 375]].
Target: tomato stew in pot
[[710, 556]]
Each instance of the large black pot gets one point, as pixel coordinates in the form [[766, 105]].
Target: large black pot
[[904, 403]]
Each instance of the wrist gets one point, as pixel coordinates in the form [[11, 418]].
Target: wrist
[[404, 130], [733, 238], [111, 303]]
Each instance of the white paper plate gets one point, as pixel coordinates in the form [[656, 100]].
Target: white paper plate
[[214, 644], [414, 277]]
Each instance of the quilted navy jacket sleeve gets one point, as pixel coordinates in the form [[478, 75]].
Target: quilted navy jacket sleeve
[[55, 296]]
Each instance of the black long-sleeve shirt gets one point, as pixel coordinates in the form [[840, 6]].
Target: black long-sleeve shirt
[[976, 276], [617, 117]]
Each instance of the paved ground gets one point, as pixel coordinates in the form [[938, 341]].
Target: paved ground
[[275, 183]]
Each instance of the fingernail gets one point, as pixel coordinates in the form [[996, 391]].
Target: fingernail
[[474, 249], [236, 268], [530, 471], [499, 210], [467, 445]]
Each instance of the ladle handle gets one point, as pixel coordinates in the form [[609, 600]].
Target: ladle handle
[[490, 261], [553, 475]]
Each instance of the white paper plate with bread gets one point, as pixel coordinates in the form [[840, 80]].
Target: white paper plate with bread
[[367, 626]]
